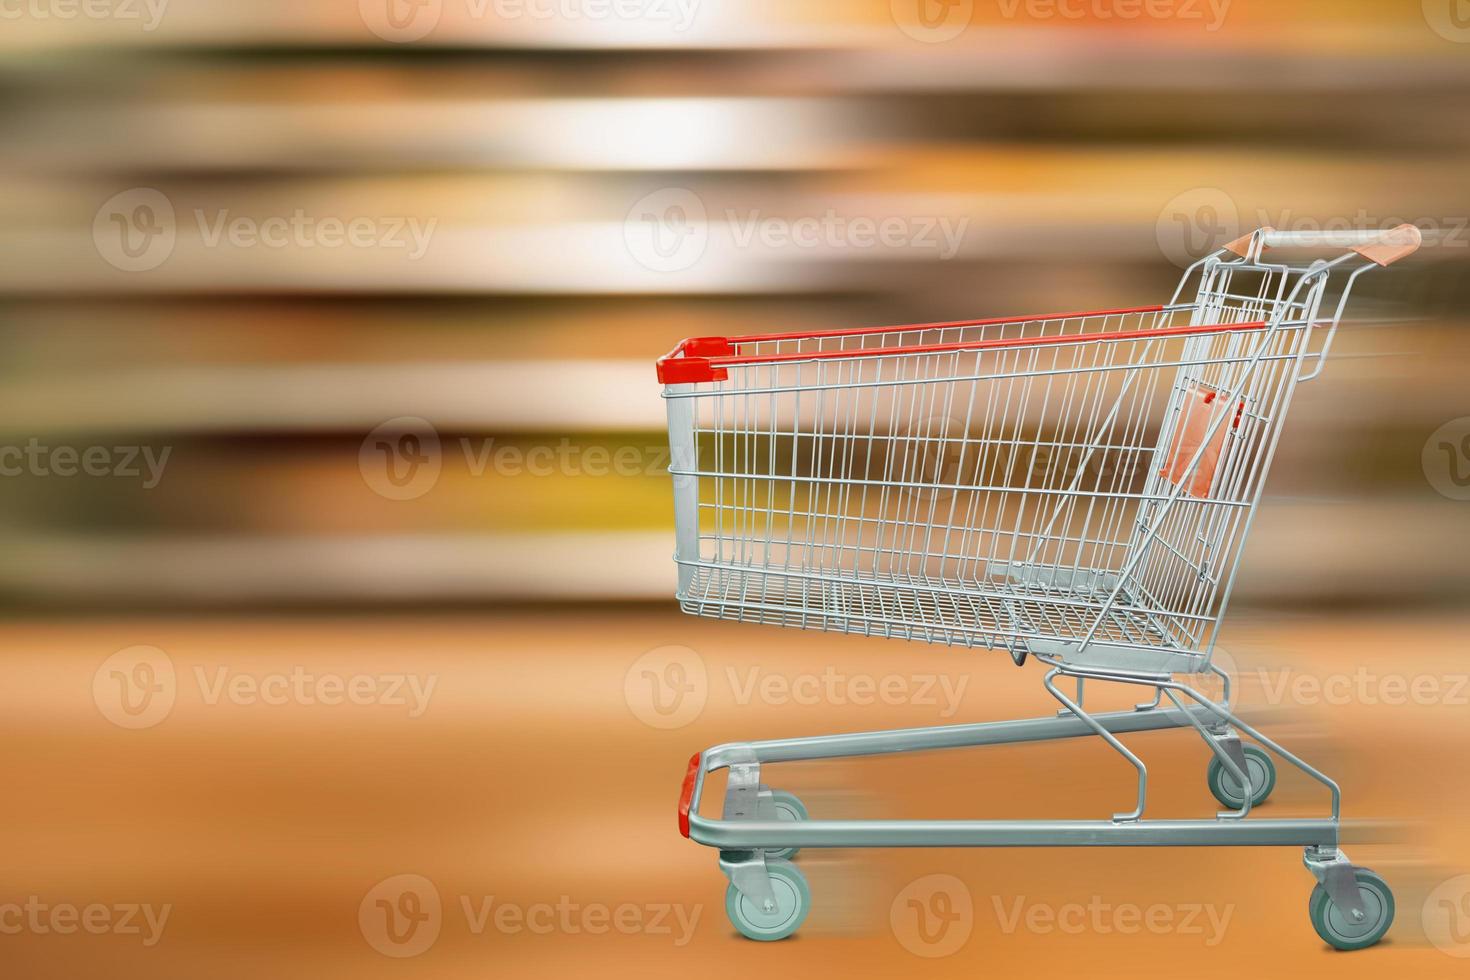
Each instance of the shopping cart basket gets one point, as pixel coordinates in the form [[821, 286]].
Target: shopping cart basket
[[1075, 489]]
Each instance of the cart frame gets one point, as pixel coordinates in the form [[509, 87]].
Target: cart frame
[[1355, 906]]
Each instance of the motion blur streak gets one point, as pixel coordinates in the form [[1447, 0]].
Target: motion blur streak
[[386, 279]]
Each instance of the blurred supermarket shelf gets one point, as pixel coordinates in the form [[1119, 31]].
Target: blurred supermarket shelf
[[706, 24], [529, 186], [504, 395], [1302, 551], [1373, 370]]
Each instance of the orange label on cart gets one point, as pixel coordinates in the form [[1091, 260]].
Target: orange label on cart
[[1198, 414]]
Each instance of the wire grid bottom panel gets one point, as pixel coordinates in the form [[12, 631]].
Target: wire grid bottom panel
[[989, 614]]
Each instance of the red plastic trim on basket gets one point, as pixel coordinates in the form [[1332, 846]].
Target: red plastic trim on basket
[[708, 363], [686, 795], [806, 334]]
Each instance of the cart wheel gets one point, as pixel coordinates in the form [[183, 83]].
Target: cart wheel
[[788, 807], [1339, 929], [1226, 788], [793, 901]]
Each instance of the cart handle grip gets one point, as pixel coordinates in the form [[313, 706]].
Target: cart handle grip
[[1383, 246]]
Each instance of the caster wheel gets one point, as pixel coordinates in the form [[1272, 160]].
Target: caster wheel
[[788, 807], [1339, 929], [1226, 788], [793, 901]]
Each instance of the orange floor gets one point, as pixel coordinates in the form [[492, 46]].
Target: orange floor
[[271, 781]]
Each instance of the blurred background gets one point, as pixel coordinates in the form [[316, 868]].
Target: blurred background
[[329, 333]]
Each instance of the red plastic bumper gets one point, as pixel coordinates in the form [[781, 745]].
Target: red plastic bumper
[[686, 795]]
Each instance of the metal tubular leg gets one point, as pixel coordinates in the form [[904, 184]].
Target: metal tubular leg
[[1112, 740], [1151, 705], [943, 737], [1230, 718], [1227, 760]]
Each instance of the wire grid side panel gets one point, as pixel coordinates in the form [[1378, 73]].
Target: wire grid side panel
[[1185, 548], [965, 497], [968, 332]]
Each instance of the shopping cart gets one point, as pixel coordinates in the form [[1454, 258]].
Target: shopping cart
[[1074, 489]]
